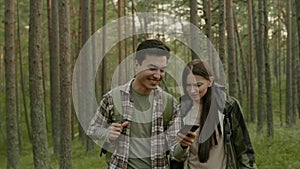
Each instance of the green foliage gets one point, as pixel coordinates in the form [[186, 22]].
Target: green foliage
[[81, 159], [280, 152]]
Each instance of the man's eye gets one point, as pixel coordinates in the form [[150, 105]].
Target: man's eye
[[152, 69], [162, 71]]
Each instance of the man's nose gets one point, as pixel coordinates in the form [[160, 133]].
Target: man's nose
[[157, 74]]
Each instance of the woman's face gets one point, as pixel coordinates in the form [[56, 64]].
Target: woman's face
[[197, 86]]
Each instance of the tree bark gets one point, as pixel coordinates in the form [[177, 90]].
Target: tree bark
[[231, 55], [10, 87], [38, 120], [53, 36], [268, 80], [65, 86], [194, 20], [297, 6], [222, 34], [251, 110], [288, 101], [104, 67], [260, 70], [293, 62], [86, 33]]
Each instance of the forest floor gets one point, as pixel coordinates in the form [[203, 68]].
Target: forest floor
[[281, 152]]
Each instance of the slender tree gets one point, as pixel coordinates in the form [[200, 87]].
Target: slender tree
[[120, 44], [297, 6], [10, 68], [53, 36], [251, 110], [260, 70], [1, 107], [86, 33], [194, 20], [23, 83], [207, 18], [278, 38], [240, 54], [288, 99], [268, 82], [293, 64], [104, 67], [222, 34], [38, 120], [65, 86], [231, 55]]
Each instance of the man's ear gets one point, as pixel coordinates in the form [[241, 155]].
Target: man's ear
[[211, 79]]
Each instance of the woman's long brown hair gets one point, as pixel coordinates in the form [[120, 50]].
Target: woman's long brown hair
[[201, 68]]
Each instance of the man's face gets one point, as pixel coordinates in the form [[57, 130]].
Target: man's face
[[149, 73]]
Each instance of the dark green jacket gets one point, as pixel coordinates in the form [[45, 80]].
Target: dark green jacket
[[240, 152], [237, 143]]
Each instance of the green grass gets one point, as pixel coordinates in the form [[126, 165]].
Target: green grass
[[80, 158], [281, 152]]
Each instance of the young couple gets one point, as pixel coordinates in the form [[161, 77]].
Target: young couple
[[132, 121]]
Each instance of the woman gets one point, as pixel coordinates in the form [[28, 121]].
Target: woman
[[222, 140]]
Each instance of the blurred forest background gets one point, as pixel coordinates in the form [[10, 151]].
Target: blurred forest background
[[258, 43]]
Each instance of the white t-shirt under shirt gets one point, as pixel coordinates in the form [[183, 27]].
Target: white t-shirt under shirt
[[217, 156]]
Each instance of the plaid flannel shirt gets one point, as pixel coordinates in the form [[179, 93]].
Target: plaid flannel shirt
[[98, 128]]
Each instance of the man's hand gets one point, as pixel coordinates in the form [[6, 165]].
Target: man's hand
[[115, 130], [186, 140]]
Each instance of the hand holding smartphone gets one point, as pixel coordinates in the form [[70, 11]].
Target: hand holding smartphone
[[188, 127]]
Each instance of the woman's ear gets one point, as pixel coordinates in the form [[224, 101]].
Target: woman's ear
[[211, 79]]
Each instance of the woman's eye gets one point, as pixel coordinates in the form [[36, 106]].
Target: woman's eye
[[199, 85]]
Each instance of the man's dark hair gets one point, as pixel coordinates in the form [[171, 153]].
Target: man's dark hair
[[151, 47]]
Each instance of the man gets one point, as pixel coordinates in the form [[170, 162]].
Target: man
[[131, 118]]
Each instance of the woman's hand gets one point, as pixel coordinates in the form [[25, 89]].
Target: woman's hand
[[186, 140]]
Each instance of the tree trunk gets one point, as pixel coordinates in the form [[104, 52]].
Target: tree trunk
[[268, 81], [222, 34], [2, 94], [120, 57], [297, 6], [134, 37], [53, 36], [251, 110], [294, 62], [260, 71], [231, 55], [103, 73], [194, 21], [244, 70], [11, 107], [207, 18], [17, 86], [288, 101], [86, 33], [38, 120], [65, 86], [278, 39]]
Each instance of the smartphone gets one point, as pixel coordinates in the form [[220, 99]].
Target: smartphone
[[188, 127]]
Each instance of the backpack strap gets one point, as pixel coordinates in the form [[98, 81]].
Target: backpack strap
[[168, 112], [229, 147]]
